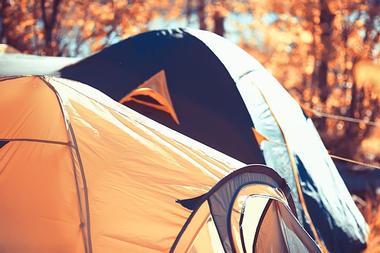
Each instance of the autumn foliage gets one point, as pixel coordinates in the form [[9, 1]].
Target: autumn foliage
[[322, 51]]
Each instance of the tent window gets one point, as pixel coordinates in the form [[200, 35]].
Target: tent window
[[280, 232]]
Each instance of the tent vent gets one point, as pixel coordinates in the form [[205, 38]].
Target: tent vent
[[153, 93]]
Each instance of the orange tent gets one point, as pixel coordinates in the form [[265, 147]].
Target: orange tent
[[80, 172]]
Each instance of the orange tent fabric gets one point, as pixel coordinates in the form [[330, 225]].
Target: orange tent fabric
[[66, 137], [80, 172]]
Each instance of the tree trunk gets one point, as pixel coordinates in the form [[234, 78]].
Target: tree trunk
[[219, 23], [201, 12], [49, 24], [4, 5], [326, 19]]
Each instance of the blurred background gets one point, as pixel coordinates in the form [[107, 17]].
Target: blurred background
[[325, 53]]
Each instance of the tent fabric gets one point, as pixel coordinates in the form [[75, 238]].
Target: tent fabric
[[80, 172], [274, 104], [24, 64], [277, 226], [255, 194], [219, 93], [156, 89], [205, 99], [134, 168]]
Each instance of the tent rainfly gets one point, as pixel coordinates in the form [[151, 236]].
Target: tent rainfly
[[80, 172]]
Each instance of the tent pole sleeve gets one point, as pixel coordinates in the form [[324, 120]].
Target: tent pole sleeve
[[84, 212]]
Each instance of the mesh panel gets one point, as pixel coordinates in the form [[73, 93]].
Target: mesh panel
[[280, 232], [220, 202]]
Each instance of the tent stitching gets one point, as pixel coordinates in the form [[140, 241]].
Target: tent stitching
[[241, 229], [38, 140], [74, 145]]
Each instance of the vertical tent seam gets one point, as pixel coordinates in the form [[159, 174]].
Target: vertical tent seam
[[296, 177], [241, 229], [85, 221], [196, 233]]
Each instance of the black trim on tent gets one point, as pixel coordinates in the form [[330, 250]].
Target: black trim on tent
[[192, 203], [241, 230], [35, 140], [254, 168], [3, 143], [7, 78], [260, 223], [70, 132]]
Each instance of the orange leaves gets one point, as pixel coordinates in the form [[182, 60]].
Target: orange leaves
[[309, 65], [306, 37], [97, 43], [366, 74], [371, 212], [88, 28], [89, 24]]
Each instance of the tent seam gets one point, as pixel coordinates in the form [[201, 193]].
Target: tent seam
[[242, 211], [7, 78], [38, 140], [73, 145]]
